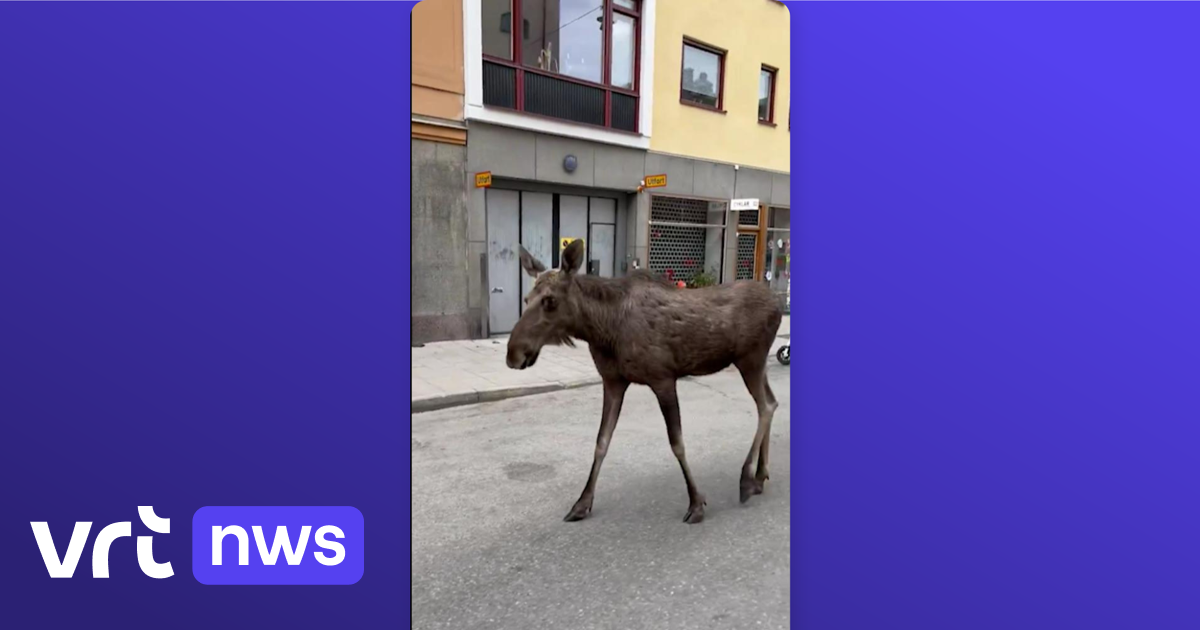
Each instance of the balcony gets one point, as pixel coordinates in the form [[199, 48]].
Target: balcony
[[564, 65], [535, 91]]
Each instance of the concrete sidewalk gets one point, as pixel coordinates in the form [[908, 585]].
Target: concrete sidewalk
[[452, 373]]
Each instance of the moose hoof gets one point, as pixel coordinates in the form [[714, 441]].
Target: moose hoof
[[695, 513], [750, 487], [579, 512]]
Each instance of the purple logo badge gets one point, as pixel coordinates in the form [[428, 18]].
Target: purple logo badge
[[277, 545]]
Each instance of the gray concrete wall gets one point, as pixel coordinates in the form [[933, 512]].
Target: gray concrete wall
[[713, 180], [536, 157], [638, 231], [440, 282]]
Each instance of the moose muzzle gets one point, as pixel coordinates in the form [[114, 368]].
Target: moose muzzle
[[520, 358]]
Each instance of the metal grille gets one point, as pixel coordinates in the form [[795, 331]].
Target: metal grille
[[745, 256], [678, 210], [499, 85], [563, 99], [748, 217], [678, 252], [624, 112]]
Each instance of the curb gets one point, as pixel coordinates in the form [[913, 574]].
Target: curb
[[447, 401], [434, 403]]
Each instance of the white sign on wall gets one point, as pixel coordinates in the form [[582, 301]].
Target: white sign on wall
[[743, 204]]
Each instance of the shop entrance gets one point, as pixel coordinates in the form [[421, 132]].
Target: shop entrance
[[540, 221]]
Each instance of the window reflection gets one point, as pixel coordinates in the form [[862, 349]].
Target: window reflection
[[766, 80], [564, 36], [623, 50], [701, 76], [497, 28]]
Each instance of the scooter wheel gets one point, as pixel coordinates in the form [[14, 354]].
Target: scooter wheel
[[784, 355]]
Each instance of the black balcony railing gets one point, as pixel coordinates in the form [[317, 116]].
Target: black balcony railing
[[499, 85], [555, 96], [624, 112]]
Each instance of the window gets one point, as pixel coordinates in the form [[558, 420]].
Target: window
[[563, 62], [702, 80], [497, 29], [624, 49], [565, 37], [766, 95]]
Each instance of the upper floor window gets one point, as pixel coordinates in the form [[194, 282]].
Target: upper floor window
[[557, 58], [702, 77], [766, 95]]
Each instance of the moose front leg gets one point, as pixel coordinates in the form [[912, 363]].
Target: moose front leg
[[668, 401], [614, 395]]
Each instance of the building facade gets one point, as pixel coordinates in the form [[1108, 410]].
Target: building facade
[[559, 108], [721, 133], [440, 300], [630, 124]]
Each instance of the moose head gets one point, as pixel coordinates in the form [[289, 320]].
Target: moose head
[[550, 310]]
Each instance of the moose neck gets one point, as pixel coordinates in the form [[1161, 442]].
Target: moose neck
[[598, 310]]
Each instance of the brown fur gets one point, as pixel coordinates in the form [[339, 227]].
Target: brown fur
[[641, 329]]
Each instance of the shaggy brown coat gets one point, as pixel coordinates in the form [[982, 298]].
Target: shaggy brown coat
[[641, 329]]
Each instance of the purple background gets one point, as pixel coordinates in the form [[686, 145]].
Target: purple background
[[997, 368], [307, 571], [204, 248], [203, 294]]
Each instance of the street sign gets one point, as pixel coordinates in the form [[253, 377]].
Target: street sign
[[656, 181], [743, 204], [483, 180]]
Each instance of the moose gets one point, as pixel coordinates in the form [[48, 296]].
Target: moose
[[642, 329]]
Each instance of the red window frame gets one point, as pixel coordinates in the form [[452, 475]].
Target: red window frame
[[770, 119], [610, 8], [720, 53]]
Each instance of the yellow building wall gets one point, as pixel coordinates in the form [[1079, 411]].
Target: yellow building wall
[[754, 33], [437, 68]]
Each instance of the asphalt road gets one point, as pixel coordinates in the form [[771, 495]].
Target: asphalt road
[[492, 482]]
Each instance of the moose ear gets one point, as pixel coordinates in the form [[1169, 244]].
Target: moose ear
[[572, 257], [531, 265]]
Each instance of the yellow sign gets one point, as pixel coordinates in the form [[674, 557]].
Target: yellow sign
[[563, 242], [656, 181], [483, 180]]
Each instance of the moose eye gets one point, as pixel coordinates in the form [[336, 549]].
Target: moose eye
[[549, 303]]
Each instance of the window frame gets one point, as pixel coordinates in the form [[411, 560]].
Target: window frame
[[709, 48], [517, 63], [770, 119]]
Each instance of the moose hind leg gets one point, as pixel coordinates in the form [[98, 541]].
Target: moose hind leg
[[668, 401], [755, 377], [614, 395], [761, 474]]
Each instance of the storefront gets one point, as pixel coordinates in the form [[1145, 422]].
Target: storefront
[[543, 221], [541, 192], [687, 239], [700, 241]]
